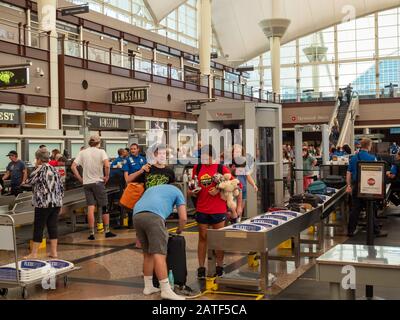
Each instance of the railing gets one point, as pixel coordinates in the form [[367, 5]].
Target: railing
[[334, 115], [21, 34], [311, 96], [347, 131]]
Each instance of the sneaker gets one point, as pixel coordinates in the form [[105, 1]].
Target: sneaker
[[201, 273], [185, 291], [109, 234], [219, 271], [170, 295], [151, 290], [91, 237]]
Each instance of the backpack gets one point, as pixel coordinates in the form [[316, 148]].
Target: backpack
[[336, 182], [198, 169], [132, 193], [317, 187]]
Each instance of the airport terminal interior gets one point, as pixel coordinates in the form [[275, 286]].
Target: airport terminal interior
[[199, 150]]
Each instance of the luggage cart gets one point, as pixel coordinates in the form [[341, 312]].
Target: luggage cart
[[8, 243]]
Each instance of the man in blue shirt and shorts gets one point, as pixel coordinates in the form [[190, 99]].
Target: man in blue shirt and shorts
[[149, 216]]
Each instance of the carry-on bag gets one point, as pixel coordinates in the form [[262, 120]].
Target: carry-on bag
[[317, 187], [335, 181], [131, 195], [176, 260]]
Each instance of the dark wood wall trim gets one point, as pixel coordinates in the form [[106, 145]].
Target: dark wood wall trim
[[309, 104], [377, 122], [74, 104], [379, 101], [24, 51], [38, 101], [27, 99], [332, 103], [127, 110]]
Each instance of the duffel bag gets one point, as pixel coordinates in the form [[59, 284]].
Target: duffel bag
[[317, 187], [312, 199], [132, 193], [296, 198], [335, 181]]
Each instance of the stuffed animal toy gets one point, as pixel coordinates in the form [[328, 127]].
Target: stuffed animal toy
[[229, 189]]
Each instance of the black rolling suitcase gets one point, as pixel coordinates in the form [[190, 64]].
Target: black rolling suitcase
[[176, 260], [336, 182]]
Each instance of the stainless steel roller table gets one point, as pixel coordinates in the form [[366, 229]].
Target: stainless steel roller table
[[262, 242]]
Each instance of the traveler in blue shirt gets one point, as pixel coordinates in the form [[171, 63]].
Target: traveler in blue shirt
[[352, 188], [118, 174], [394, 148], [120, 160], [393, 173], [134, 162], [149, 216], [16, 171]]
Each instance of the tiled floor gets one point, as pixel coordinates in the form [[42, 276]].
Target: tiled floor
[[112, 268]]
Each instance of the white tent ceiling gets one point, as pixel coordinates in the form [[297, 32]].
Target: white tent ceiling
[[235, 22]]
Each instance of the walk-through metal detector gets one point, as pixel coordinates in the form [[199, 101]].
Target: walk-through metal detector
[[298, 142], [258, 127]]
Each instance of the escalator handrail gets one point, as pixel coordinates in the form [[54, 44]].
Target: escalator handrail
[[348, 119]]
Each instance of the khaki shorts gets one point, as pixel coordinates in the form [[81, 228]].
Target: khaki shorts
[[151, 232]]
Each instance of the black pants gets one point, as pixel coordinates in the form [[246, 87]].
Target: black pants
[[43, 217], [357, 205]]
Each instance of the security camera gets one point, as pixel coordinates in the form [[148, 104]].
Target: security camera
[[40, 72]]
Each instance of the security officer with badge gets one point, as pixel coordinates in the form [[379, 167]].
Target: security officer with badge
[[133, 164]]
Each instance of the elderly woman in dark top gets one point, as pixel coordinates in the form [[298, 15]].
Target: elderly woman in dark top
[[48, 193]]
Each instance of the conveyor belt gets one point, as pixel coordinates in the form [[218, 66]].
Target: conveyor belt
[[264, 241], [23, 212]]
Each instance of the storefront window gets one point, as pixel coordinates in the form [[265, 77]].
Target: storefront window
[[33, 147], [75, 148], [71, 122], [36, 120], [112, 148]]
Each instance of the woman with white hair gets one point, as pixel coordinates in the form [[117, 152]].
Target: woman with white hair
[[47, 195]]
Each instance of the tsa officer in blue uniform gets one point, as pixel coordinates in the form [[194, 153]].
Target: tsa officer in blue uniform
[[133, 163], [352, 187]]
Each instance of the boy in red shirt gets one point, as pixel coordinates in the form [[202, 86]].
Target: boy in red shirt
[[210, 208]]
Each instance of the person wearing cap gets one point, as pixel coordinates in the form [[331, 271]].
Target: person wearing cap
[[94, 160], [16, 171], [357, 146]]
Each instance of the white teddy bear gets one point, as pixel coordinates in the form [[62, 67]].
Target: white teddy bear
[[229, 189]]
